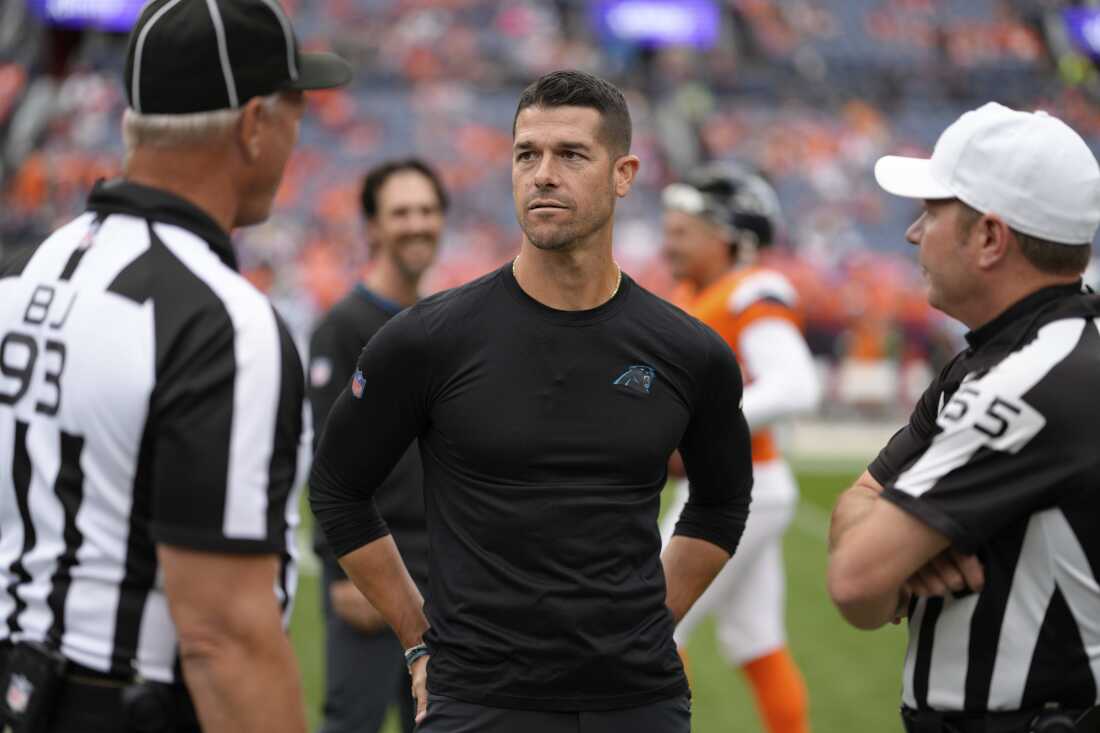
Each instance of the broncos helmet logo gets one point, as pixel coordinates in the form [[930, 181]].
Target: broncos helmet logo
[[638, 377]]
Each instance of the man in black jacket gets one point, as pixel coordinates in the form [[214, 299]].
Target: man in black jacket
[[403, 204]]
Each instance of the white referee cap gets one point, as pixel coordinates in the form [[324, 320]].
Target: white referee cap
[[1029, 168]]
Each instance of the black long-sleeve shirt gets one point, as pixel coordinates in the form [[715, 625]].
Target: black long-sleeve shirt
[[545, 437]]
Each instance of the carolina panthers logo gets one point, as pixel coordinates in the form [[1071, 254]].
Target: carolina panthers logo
[[638, 378]]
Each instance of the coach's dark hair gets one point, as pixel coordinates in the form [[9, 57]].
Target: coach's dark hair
[[1049, 258], [578, 89], [376, 178]]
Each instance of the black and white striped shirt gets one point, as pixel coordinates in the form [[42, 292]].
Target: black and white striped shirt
[[1002, 455], [148, 394]]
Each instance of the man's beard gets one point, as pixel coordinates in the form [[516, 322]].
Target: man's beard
[[559, 238], [412, 271], [554, 240]]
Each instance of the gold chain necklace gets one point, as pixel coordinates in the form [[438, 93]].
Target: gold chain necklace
[[614, 291]]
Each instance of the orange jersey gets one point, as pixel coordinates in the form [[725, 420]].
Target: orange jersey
[[733, 303]]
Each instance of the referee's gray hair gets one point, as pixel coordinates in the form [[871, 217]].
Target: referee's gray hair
[[182, 130]]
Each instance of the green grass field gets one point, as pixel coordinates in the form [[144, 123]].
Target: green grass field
[[853, 677]]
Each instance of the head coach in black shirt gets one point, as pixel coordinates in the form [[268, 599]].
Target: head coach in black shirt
[[547, 397], [980, 519], [404, 204], [151, 407]]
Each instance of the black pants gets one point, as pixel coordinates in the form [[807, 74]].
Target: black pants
[[84, 707], [448, 715], [364, 675], [96, 711], [928, 721]]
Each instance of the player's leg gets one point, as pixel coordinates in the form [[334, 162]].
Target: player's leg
[[727, 585], [700, 609], [719, 594], [752, 636], [448, 715], [752, 632], [780, 692]]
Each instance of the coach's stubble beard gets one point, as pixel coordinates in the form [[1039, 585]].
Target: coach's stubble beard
[[551, 236]]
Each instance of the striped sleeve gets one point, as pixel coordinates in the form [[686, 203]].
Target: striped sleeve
[[761, 296], [226, 415], [996, 459]]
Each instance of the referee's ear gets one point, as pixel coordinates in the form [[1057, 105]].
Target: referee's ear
[[249, 131], [991, 237]]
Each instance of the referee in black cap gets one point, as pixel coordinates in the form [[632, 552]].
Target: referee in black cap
[[151, 407]]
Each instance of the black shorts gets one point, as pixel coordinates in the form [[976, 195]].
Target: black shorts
[[448, 715]]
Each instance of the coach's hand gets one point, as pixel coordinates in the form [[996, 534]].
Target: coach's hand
[[419, 672], [948, 572]]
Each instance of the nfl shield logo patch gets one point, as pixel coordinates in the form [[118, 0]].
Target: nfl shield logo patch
[[320, 371], [357, 383], [19, 693]]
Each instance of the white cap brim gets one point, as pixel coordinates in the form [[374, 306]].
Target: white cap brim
[[910, 177]]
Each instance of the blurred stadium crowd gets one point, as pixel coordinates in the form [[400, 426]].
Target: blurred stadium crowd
[[810, 91]]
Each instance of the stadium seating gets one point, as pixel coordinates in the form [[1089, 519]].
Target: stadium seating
[[810, 92]]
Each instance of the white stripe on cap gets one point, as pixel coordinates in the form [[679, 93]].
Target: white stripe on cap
[[291, 62], [135, 88], [223, 53]]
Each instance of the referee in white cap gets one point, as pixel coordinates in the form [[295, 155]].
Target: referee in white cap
[[151, 407], [980, 519]]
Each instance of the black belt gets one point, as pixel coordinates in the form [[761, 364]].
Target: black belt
[[1016, 721], [89, 690]]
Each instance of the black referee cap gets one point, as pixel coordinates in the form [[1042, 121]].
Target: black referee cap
[[202, 55]]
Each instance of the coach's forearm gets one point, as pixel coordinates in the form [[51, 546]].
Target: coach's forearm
[[380, 575], [690, 566]]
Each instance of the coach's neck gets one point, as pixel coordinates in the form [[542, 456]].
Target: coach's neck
[[580, 276]]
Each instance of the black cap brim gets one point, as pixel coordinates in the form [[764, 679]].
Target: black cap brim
[[320, 71]]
